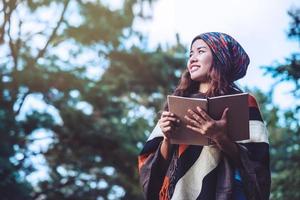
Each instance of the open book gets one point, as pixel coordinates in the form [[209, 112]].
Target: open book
[[237, 118]]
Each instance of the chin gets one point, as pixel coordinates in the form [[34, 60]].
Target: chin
[[197, 78]]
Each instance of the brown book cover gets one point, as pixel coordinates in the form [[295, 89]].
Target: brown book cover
[[238, 116]]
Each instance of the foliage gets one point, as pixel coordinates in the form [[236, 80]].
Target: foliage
[[285, 127], [101, 89], [97, 121]]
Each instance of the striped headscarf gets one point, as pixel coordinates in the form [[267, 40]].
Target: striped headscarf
[[228, 53]]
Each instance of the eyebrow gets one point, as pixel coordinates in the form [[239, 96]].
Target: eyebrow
[[200, 47]]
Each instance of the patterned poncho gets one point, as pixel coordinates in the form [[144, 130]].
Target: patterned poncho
[[204, 172]]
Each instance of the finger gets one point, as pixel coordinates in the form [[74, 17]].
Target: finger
[[169, 124], [173, 119], [192, 121], [194, 115], [167, 129], [166, 123], [164, 114], [203, 114], [172, 124], [167, 113], [225, 113], [167, 132], [194, 129]]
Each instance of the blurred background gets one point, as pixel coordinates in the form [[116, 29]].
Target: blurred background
[[82, 81]]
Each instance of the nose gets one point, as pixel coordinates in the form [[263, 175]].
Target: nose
[[193, 59]]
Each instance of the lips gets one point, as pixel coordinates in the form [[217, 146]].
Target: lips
[[194, 68]]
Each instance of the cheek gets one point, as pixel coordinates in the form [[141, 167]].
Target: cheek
[[207, 61], [188, 64]]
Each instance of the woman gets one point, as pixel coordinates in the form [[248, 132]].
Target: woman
[[226, 170]]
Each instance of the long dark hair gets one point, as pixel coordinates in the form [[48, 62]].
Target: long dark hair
[[220, 83]]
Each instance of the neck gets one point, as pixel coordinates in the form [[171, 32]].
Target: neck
[[203, 87]]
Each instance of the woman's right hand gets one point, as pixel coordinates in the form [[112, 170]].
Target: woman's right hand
[[167, 123]]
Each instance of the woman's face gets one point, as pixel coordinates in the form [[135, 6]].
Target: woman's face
[[200, 61]]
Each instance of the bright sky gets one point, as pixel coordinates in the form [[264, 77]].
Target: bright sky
[[259, 26]]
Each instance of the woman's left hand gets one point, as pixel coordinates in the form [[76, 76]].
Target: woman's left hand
[[202, 123]]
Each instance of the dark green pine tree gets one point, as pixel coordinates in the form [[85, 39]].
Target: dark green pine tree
[[285, 133], [88, 64]]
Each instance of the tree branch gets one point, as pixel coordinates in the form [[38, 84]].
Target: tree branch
[[53, 34], [22, 102], [8, 8], [5, 19], [13, 50]]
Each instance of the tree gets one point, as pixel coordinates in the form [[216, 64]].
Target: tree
[[100, 120], [94, 149], [285, 137]]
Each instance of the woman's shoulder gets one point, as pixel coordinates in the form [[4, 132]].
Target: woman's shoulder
[[235, 91], [252, 100]]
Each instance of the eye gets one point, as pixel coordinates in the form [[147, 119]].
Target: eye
[[201, 51]]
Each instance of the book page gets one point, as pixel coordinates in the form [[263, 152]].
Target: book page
[[238, 114], [183, 135]]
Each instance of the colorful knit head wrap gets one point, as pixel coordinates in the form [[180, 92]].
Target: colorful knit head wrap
[[228, 53]]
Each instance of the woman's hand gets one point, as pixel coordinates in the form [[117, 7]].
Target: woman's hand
[[168, 123], [202, 123], [216, 130]]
